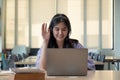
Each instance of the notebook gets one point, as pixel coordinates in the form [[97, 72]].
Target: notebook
[[66, 61]]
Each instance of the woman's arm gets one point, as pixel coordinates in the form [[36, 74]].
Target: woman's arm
[[38, 58], [42, 59], [91, 65], [42, 52]]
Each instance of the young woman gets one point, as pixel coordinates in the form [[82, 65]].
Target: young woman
[[57, 36]]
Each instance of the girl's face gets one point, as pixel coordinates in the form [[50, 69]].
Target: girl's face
[[60, 32]]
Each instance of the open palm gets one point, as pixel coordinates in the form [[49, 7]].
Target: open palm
[[45, 32]]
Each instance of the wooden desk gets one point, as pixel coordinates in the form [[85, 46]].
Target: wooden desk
[[31, 60], [32, 57], [98, 63], [26, 61], [110, 59], [92, 75]]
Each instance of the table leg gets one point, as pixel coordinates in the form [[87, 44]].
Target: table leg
[[108, 65], [117, 65], [0, 65]]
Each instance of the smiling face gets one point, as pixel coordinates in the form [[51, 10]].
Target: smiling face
[[60, 32]]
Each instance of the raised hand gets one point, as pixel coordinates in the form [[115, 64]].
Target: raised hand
[[45, 32]]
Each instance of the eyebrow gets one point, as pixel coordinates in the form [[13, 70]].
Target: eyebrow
[[58, 27]]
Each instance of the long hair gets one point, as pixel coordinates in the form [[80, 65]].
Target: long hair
[[58, 18]]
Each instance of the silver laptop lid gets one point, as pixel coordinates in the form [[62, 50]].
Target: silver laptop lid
[[67, 61]]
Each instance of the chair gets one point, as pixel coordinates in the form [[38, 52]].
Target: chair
[[95, 57], [20, 57], [24, 55], [14, 57], [19, 49], [91, 54], [101, 58]]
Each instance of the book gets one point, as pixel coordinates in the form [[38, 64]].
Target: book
[[28, 74]]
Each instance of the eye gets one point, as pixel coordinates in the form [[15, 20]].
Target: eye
[[56, 28], [64, 29]]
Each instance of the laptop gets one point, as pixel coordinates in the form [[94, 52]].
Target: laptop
[[67, 61]]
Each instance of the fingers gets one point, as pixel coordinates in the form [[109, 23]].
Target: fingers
[[49, 32], [45, 32], [44, 27]]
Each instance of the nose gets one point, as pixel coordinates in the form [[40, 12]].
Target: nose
[[60, 31]]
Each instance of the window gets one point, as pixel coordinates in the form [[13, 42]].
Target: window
[[91, 21], [10, 24], [41, 12]]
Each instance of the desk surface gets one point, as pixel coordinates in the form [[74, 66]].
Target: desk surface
[[29, 60], [26, 61], [32, 60], [111, 58], [92, 75]]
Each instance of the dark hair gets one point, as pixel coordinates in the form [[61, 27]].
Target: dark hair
[[58, 18]]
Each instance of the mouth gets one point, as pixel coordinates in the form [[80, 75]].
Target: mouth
[[60, 36]]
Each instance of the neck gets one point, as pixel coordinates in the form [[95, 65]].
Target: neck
[[60, 44]]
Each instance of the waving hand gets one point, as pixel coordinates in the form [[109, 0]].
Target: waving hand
[[45, 32]]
